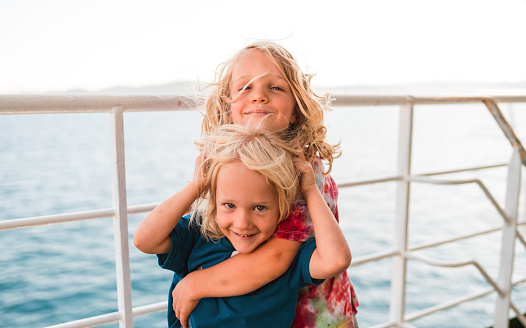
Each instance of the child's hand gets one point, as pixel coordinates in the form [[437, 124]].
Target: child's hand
[[183, 304], [306, 174]]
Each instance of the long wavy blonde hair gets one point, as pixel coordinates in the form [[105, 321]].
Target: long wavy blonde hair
[[308, 130], [259, 150]]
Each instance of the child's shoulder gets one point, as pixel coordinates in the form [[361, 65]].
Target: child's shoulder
[[190, 222]]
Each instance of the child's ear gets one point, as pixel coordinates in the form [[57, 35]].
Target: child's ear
[[293, 118]]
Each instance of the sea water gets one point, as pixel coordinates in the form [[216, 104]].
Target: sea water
[[61, 163]]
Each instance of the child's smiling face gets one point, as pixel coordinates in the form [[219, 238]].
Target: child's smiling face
[[247, 206], [267, 95]]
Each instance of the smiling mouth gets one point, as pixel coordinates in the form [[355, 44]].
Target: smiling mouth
[[257, 112], [243, 235]]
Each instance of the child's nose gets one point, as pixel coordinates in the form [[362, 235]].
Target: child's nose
[[242, 220], [259, 96]]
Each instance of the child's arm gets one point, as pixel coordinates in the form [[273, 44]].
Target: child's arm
[[332, 254], [153, 234], [238, 275], [220, 281], [273, 258]]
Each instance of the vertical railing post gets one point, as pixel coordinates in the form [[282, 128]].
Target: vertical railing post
[[120, 221], [398, 281], [507, 252]]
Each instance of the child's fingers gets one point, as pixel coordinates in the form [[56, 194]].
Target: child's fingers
[[180, 315], [184, 322], [183, 318], [297, 165], [176, 313], [298, 147], [301, 165], [306, 174]]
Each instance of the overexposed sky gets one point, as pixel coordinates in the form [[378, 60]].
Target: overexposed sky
[[58, 45]]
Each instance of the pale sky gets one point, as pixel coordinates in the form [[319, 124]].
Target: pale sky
[[58, 45]]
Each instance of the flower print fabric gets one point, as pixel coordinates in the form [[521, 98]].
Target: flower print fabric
[[333, 303]]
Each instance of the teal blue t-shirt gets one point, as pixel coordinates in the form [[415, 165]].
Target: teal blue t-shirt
[[273, 305]]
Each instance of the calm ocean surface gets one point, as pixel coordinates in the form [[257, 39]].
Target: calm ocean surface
[[60, 163]]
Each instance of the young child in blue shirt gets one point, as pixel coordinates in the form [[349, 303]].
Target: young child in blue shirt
[[245, 181]]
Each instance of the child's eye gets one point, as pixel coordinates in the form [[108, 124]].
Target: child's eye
[[243, 87], [278, 88], [230, 205], [259, 208]]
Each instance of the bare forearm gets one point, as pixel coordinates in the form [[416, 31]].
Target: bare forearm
[[245, 273], [332, 253], [153, 234]]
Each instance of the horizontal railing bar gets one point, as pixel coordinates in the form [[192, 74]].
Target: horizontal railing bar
[[356, 100], [368, 182], [466, 181], [352, 100], [398, 178], [150, 308], [448, 304], [519, 281], [46, 104], [382, 255], [467, 99], [444, 264], [373, 257], [112, 317], [475, 168], [449, 240], [16, 104], [144, 208], [91, 321], [70, 217], [54, 219]]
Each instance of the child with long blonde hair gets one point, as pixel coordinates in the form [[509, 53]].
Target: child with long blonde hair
[[246, 181], [263, 81]]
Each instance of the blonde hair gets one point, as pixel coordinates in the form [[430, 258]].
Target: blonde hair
[[262, 151], [308, 130]]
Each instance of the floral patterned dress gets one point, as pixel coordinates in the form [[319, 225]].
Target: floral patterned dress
[[333, 303]]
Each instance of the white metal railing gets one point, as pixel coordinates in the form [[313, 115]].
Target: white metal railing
[[401, 253]]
